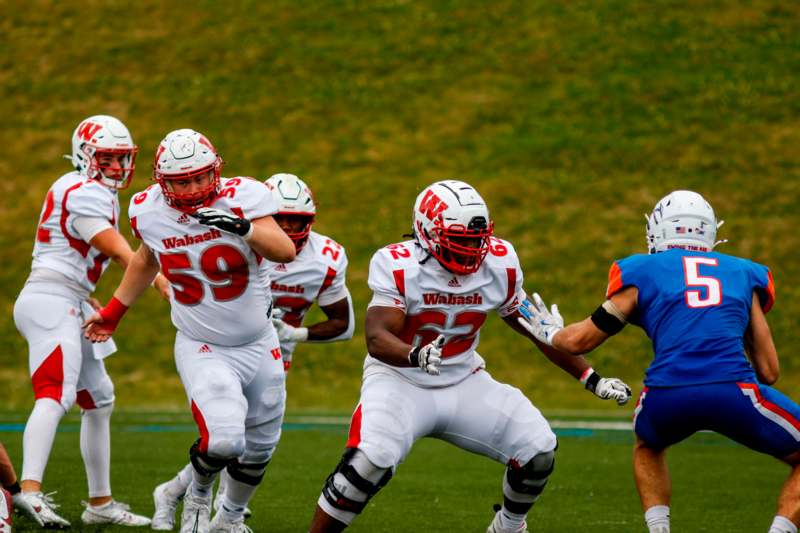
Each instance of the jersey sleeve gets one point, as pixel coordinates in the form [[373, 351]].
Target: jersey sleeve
[[515, 294], [387, 282], [91, 200], [254, 198], [333, 287], [763, 285], [623, 273]]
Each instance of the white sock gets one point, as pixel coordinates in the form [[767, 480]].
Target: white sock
[[511, 521], [657, 518], [781, 524], [237, 496], [202, 484], [96, 449], [176, 487], [223, 482], [37, 441]]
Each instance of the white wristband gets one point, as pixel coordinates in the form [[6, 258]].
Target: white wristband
[[249, 235]]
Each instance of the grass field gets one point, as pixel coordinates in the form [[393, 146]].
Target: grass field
[[719, 486], [572, 118]]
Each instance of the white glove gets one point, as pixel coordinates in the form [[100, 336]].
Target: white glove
[[540, 322], [287, 333], [428, 357], [607, 388]]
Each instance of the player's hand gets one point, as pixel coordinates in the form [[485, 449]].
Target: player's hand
[[225, 221], [540, 322], [100, 326], [613, 389], [161, 284], [94, 302], [288, 333], [96, 329], [428, 357]]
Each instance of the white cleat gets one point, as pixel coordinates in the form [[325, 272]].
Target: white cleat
[[196, 513], [220, 525], [218, 505], [165, 505], [113, 512], [495, 527], [40, 508]]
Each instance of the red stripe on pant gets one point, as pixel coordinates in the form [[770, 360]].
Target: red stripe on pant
[[48, 380], [354, 437], [201, 425]]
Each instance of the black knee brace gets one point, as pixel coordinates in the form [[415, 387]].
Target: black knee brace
[[337, 499], [529, 480], [250, 473], [203, 463]]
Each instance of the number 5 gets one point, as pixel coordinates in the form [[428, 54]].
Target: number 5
[[694, 279]]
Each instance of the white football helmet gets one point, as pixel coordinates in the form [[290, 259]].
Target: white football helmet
[[451, 222], [183, 155], [682, 219], [294, 200], [101, 135]]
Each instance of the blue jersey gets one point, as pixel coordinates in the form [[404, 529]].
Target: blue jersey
[[695, 307]]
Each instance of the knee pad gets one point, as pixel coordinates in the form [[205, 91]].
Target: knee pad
[[525, 483], [249, 473], [204, 463], [225, 445], [354, 481]]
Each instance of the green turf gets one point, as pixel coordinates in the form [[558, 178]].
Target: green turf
[[572, 118], [719, 486]]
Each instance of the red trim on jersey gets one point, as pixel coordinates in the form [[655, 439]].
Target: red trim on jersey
[[614, 280], [511, 273], [400, 281], [354, 437], [237, 211], [766, 404], [330, 275], [201, 425], [135, 228], [42, 234], [48, 380], [85, 400], [81, 246], [769, 293]]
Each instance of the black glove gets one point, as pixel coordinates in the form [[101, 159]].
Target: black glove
[[224, 220]]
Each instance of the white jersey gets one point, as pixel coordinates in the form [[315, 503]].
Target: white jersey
[[436, 301], [218, 291], [59, 246], [317, 273]]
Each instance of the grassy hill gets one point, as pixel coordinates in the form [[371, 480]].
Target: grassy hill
[[572, 119]]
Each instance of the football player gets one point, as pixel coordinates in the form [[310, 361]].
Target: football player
[[705, 313], [76, 236], [422, 375], [226, 350], [316, 274]]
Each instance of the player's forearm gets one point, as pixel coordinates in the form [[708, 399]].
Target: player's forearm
[[579, 338], [386, 347], [139, 275], [328, 330], [569, 363], [270, 242], [7, 475]]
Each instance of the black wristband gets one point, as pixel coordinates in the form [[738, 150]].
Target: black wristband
[[592, 381], [413, 356], [13, 489]]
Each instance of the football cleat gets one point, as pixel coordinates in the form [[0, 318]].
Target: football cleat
[[495, 526], [196, 513], [165, 505], [6, 511], [40, 508], [113, 513], [221, 525]]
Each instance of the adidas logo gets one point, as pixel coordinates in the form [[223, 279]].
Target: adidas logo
[[204, 349], [453, 283], [184, 219], [280, 267]]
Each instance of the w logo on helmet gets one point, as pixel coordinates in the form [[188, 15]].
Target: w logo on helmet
[[431, 205], [87, 130]]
